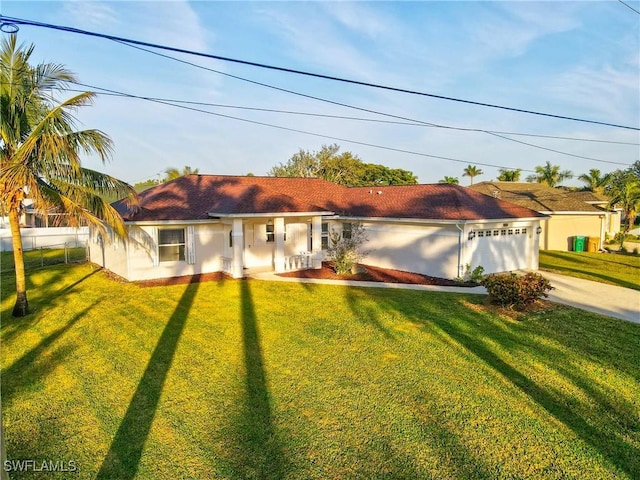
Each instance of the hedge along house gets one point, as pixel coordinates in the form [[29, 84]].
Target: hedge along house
[[209, 223]]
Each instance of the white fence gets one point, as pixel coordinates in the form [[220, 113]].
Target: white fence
[[34, 238]]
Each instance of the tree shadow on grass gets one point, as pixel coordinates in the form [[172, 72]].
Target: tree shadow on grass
[[260, 453], [35, 364], [39, 298], [616, 450], [476, 331], [123, 458]]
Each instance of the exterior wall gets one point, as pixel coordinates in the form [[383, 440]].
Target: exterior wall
[[138, 259], [427, 249], [53, 237], [559, 230], [109, 253], [260, 253], [208, 243]]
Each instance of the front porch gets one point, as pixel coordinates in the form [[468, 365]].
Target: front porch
[[272, 244]]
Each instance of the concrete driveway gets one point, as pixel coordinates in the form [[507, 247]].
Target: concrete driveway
[[618, 302]]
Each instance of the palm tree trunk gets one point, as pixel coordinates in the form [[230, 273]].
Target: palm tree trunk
[[21, 307]]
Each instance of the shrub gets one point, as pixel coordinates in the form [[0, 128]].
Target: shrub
[[345, 249], [516, 291], [471, 276]]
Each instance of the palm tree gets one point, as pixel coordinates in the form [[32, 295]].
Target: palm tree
[[594, 181], [173, 173], [550, 175], [472, 171], [40, 153], [450, 180], [509, 175], [623, 190]]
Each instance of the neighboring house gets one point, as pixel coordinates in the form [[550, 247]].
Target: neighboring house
[[209, 223], [570, 213]]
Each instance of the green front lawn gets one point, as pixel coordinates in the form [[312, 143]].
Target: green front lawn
[[611, 268], [250, 379]]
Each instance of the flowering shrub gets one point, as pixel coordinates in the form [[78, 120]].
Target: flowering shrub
[[519, 291]]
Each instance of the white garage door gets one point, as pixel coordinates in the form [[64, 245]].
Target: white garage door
[[501, 249]]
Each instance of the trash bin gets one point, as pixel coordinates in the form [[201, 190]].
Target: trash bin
[[578, 243], [593, 244]]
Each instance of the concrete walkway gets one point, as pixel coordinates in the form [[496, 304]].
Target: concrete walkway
[[617, 302]]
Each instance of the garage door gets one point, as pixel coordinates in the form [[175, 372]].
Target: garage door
[[501, 249]]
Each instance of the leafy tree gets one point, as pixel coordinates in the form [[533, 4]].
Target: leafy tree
[[343, 168], [173, 173], [40, 150], [550, 175], [142, 186], [472, 171], [509, 175], [594, 181], [451, 180]]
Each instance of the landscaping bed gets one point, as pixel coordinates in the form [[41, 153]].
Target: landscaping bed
[[373, 274]]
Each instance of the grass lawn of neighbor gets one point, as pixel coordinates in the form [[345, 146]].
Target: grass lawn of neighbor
[[611, 268], [249, 379]]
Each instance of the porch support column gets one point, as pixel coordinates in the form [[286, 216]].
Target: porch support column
[[238, 248], [316, 236], [278, 256]]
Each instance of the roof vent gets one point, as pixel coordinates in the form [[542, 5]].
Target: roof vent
[[370, 192], [495, 194], [379, 192]]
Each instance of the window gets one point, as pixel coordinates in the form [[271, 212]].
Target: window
[[230, 238], [496, 233], [524, 230], [487, 233], [171, 245], [325, 236], [480, 233], [517, 231], [271, 235], [503, 232], [511, 231], [347, 228]]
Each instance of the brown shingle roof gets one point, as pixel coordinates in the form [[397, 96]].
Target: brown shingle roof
[[535, 196], [198, 197]]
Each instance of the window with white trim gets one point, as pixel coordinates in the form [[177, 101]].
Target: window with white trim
[[347, 229], [271, 233], [324, 235], [171, 245]]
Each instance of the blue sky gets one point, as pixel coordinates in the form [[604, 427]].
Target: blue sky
[[577, 59]]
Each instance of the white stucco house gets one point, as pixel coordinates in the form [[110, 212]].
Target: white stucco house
[[200, 224]]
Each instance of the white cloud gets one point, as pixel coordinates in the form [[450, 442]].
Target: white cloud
[[97, 14]]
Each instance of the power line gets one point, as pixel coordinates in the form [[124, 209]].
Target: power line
[[106, 91], [10, 24], [305, 132], [629, 6], [415, 123], [376, 112]]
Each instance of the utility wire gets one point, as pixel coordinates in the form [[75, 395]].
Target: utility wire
[[629, 6], [415, 123], [305, 132], [10, 24], [106, 91]]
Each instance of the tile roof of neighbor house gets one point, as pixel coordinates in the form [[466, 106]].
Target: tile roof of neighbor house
[[539, 197], [199, 197]]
